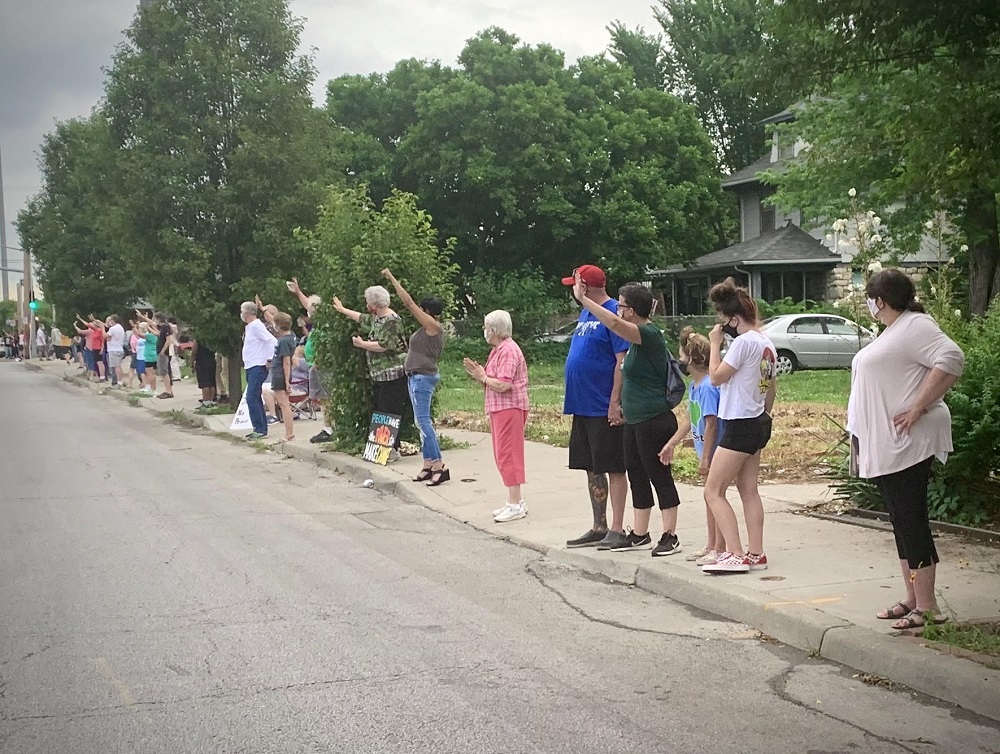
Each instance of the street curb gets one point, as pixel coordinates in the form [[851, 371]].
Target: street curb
[[949, 678]]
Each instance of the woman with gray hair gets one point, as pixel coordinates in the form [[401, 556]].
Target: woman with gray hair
[[505, 382], [385, 350]]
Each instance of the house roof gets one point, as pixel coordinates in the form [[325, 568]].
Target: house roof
[[787, 245], [750, 172]]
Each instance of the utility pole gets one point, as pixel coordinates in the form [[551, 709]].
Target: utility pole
[[29, 313], [3, 240]]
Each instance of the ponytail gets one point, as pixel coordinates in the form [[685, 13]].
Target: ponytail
[[734, 301]]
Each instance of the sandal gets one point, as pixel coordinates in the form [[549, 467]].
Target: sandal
[[165, 395], [917, 619], [899, 610], [424, 475], [440, 476]]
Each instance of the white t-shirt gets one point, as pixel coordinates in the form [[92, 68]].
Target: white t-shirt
[[752, 355], [116, 338], [886, 377], [40, 337]]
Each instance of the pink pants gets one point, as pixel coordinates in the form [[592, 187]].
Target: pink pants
[[508, 444]]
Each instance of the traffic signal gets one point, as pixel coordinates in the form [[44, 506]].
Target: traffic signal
[[32, 303]]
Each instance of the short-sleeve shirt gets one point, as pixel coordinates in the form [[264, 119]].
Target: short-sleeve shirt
[[886, 377], [591, 364], [644, 387], [116, 338], [284, 347], [149, 352], [163, 336], [387, 331], [752, 355], [95, 338], [506, 363], [703, 401]]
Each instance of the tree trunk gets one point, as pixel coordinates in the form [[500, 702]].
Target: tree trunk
[[235, 376], [980, 228]]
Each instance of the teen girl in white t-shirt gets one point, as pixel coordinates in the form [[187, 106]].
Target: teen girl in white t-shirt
[[747, 380]]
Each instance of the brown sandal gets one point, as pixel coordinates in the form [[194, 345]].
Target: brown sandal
[[917, 619], [895, 612]]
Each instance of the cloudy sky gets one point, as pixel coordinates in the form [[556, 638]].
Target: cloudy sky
[[52, 53]]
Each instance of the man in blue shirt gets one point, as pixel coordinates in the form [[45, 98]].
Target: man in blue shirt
[[593, 397]]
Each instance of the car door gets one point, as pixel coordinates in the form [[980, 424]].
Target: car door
[[846, 339], [808, 339]]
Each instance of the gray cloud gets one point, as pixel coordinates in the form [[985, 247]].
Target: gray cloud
[[52, 52]]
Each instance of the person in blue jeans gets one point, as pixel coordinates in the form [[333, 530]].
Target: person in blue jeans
[[421, 367], [258, 348]]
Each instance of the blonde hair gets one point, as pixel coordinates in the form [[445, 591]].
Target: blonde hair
[[283, 321], [499, 323], [696, 347]]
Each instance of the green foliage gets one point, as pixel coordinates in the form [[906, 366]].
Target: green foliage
[[526, 293], [8, 310], [352, 243], [526, 161], [220, 156], [713, 55], [982, 638], [789, 306]]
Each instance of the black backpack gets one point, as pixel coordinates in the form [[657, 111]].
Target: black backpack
[[675, 386]]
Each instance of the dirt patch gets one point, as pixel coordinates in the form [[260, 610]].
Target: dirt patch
[[803, 436]]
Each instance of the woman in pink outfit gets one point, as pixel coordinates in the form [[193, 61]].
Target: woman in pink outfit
[[505, 381]]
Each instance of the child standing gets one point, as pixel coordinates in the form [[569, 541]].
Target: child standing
[[281, 370], [706, 427]]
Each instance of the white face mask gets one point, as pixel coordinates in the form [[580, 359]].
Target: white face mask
[[873, 307], [486, 335]]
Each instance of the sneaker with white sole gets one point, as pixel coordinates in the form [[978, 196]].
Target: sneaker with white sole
[[511, 513], [669, 544], [708, 558], [612, 540], [728, 563], [757, 562], [697, 554], [634, 541]]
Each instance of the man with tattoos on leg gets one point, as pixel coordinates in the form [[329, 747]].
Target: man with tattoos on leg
[[593, 397]]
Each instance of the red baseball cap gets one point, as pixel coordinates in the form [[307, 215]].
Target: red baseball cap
[[589, 274]]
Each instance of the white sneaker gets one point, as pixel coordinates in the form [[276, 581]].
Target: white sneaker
[[501, 509], [511, 513], [708, 558]]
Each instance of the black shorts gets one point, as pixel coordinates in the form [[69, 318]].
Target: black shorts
[[746, 435], [596, 446]]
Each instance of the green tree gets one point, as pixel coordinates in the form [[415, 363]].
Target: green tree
[[66, 226], [526, 161], [352, 243], [906, 110], [221, 157], [712, 54]]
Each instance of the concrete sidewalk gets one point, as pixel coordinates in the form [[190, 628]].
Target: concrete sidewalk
[[825, 583]]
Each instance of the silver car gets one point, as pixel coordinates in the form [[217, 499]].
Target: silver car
[[815, 341]]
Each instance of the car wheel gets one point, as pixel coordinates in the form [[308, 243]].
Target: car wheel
[[786, 363]]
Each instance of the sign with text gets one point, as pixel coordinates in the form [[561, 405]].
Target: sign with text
[[382, 435], [241, 420]]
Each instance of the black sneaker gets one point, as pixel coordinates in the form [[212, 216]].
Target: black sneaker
[[633, 541], [668, 545], [590, 539], [323, 436]]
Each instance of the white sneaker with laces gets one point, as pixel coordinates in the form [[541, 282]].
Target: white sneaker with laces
[[511, 513], [708, 558]]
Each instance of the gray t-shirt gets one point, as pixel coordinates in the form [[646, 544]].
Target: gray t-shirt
[[424, 352], [284, 347]]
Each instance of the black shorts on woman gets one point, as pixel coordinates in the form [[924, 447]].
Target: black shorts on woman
[[748, 436]]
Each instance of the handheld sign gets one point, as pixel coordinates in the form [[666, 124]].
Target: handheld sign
[[382, 435]]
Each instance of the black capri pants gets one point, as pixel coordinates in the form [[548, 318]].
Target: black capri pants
[[905, 496], [643, 442]]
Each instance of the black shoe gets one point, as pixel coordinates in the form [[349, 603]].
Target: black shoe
[[323, 436], [634, 541], [668, 545], [590, 539]]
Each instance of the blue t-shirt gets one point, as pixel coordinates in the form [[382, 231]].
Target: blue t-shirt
[[591, 364], [703, 400]]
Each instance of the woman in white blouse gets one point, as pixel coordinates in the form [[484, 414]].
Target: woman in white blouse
[[899, 423]]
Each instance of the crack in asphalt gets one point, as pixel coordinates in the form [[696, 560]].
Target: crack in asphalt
[[605, 621], [778, 684]]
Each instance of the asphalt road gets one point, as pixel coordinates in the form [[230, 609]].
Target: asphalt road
[[167, 591]]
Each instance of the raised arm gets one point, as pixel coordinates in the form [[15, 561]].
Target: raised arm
[[718, 371], [613, 322], [431, 325], [350, 313], [303, 298]]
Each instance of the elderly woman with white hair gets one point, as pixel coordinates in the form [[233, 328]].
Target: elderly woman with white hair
[[505, 381], [385, 350]]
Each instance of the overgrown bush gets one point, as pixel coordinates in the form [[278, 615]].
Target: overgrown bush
[[353, 242], [530, 297], [788, 305]]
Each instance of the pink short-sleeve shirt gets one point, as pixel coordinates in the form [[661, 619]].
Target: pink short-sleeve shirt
[[506, 363]]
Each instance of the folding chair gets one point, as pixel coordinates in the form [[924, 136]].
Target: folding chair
[[298, 398]]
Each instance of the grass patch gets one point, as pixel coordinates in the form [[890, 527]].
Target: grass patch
[[180, 417], [216, 410], [828, 386], [259, 445], [133, 401], [982, 638], [450, 443]]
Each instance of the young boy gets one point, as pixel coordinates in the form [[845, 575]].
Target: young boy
[[281, 370]]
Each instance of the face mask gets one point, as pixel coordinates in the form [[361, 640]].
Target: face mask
[[873, 307], [730, 330], [486, 335]]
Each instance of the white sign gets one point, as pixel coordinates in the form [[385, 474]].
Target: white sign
[[242, 418]]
